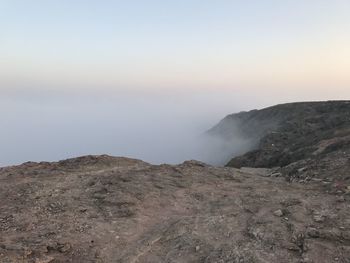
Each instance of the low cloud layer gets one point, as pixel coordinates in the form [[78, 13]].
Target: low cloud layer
[[157, 129]]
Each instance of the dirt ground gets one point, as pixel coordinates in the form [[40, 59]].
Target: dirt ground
[[109, 209]]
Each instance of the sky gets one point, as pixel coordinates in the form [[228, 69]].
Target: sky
[[71, 64]]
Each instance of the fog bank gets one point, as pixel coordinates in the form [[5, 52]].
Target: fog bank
[[154, 128]]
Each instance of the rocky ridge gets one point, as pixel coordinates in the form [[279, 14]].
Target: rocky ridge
[[301, 141]]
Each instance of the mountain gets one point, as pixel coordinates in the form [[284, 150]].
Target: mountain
[[302, 140]]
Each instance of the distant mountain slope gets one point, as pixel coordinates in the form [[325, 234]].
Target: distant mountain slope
[[293, 136]]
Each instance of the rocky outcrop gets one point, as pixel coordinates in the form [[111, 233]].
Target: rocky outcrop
[[109, 209], [308, 140]]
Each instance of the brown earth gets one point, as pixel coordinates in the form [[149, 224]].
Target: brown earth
[[109, 209]]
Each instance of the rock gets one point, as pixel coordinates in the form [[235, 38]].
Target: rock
[[313, 232], [276, 174], [64, 248], [303, 169], [317, 179], [82, 209], [46, 259], [293, 247], [197, 248], [341, 199], [278, 213], [318, 218], [305, 260]]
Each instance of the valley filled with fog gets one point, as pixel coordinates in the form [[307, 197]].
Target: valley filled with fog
[[157, 128]]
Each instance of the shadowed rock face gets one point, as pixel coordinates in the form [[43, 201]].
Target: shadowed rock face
[[312, 138], [108, 209]]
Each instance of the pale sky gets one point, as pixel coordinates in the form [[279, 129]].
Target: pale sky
[[258, 46], [145, 78]]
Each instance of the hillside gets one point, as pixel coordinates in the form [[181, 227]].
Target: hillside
[[307, 140], [109, 209]]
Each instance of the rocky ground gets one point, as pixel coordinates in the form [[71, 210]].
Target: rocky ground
[[108, 209]]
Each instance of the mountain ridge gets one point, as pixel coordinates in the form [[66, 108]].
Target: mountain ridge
[[293, 136]]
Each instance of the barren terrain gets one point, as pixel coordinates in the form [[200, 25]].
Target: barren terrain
[[109, 209]]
